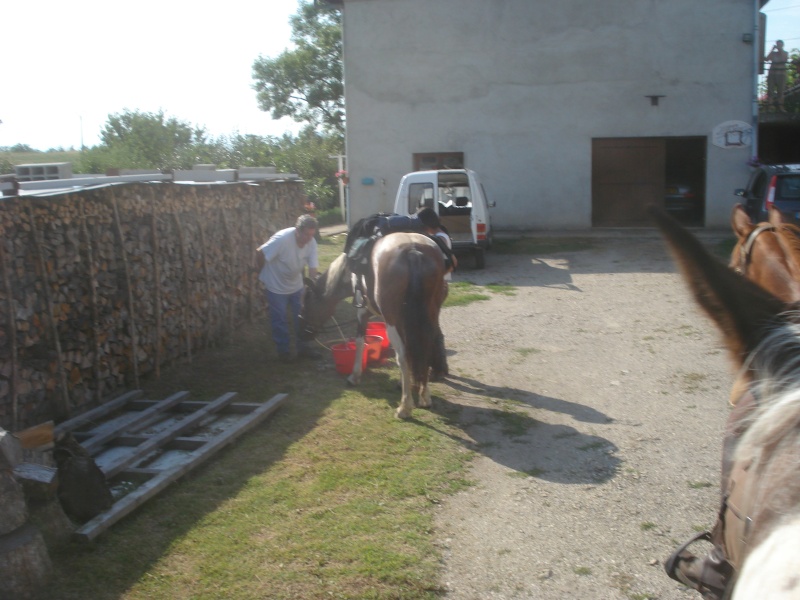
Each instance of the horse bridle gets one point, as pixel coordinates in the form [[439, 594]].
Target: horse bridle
[[745, 252]]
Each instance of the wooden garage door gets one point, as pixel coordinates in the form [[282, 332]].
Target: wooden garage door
[[627, 177]]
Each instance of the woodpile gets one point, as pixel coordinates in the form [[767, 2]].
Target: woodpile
[[24, 561], [101, 286]]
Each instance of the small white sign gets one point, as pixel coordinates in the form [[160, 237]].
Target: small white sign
[[732, 134]]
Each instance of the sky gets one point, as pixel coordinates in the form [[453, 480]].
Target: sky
[[69, 65], [783, 23], [72, 64]]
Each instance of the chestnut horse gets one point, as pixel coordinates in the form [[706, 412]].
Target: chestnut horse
[[767, 253], [406, 287], [757, 536]]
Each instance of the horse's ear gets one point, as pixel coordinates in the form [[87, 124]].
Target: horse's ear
[[740, 222], [775, 217], [741, 309]]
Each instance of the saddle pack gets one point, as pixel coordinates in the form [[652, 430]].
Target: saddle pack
[[367, 231]]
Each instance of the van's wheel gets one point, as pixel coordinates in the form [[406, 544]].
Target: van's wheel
[[480, 258]]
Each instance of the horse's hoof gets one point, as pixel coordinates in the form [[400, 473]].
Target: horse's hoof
[[401, 414]]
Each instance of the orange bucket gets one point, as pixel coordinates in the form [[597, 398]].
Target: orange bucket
[[344, 357]]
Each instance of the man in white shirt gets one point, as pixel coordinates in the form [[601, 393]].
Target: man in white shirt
[[776, 78], [282, 261]]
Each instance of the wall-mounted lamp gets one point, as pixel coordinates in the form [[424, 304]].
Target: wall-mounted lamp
[[747, 38], [654, 99]]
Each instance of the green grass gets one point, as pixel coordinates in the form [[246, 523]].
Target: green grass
[[332, 495], [524, 352], [465, 292], [499, 288], [699, 485]]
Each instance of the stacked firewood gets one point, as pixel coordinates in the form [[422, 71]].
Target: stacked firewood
[[101, 286]]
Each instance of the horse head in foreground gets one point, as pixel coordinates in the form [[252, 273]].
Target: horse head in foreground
[[406, 287], [757, 535], [767, 253]]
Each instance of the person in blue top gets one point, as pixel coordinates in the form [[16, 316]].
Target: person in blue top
[[281, 263]]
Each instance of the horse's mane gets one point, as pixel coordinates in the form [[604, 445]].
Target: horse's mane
[[776, 375]]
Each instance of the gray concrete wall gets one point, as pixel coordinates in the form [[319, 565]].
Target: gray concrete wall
[[522, 88]]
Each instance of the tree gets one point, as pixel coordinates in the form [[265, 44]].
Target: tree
[[152, 139], [309, 155], [306, 83], [141, 140]]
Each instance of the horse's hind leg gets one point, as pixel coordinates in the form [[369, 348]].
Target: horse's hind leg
[[407, 397], [424, 395]]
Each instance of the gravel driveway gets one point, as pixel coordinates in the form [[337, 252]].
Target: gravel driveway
[[595, 398]]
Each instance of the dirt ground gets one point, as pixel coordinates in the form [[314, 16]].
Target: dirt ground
[[595, 398]]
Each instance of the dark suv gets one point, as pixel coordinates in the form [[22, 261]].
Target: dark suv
[[773, 185]]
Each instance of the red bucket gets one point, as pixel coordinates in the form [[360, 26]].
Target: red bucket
[[379, 328], [373, 346], [344, 357]]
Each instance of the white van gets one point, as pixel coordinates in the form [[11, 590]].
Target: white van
[[460, 200]]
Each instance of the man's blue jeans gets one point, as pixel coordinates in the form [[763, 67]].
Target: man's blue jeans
[[281, 306]]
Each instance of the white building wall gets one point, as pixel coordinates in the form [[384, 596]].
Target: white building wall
[[521, 87]]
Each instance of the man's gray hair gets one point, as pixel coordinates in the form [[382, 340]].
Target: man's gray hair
[[306, 222]]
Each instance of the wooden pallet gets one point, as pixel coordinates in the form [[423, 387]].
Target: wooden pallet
[[144, 445]]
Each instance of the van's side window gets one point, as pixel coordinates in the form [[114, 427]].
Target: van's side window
[[420, 195]]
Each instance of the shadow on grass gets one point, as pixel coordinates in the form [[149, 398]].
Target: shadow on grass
[[119, 559]]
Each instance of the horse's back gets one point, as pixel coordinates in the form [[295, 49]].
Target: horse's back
[[394, 259]]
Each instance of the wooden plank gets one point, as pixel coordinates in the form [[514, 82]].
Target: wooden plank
[[39, 481], [179, 443], [168, 435], [147, 417], [139, 473], [98, 413], [38, 435], [126, 505]]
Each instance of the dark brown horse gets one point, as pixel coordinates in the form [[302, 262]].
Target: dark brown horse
[[757, 535], [406, 287]]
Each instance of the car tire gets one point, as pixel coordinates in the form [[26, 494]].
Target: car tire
[[480, 258]]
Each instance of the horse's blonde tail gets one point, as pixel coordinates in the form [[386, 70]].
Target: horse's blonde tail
[[772, 569], [419, 332]]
